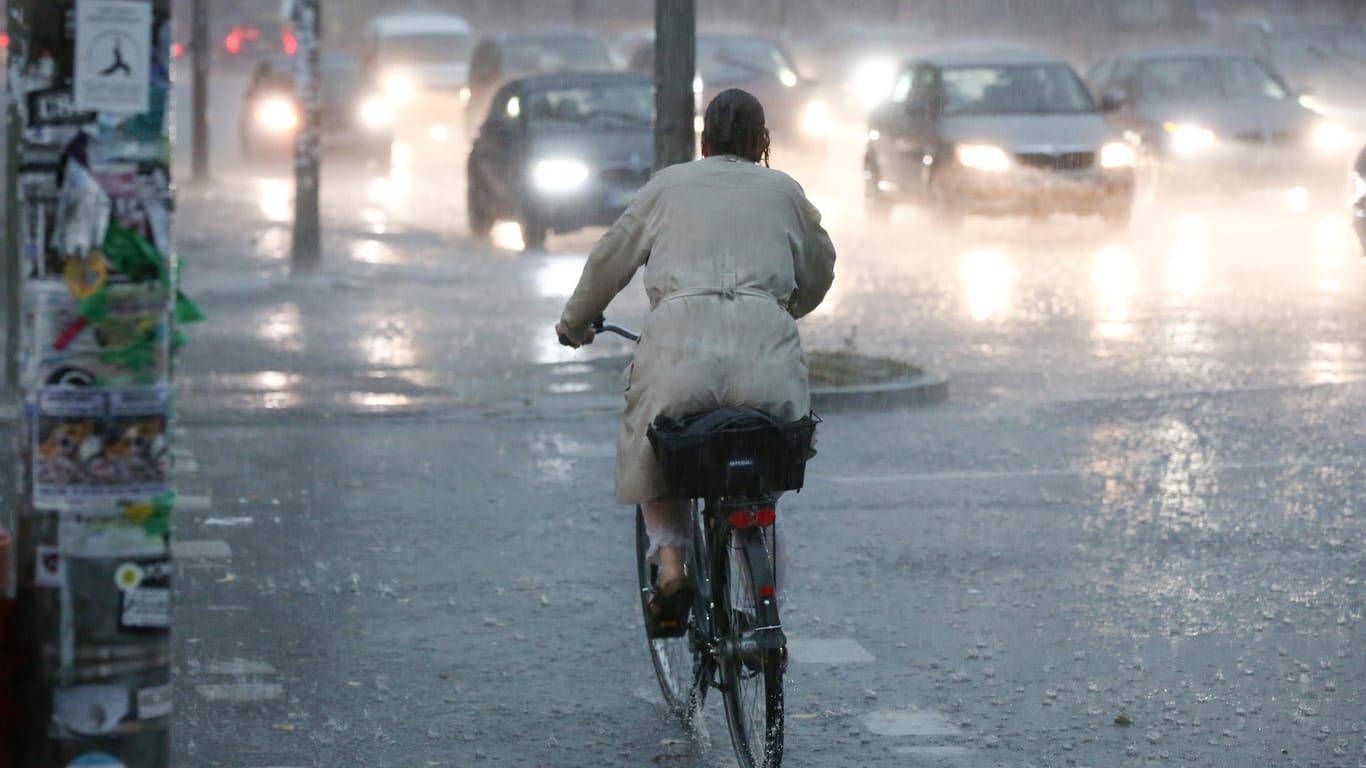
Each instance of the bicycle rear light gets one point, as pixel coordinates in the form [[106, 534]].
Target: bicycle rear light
[[766, 516], [742, 519], [766, 591]]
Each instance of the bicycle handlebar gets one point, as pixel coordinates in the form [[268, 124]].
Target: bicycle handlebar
[[602, 326]]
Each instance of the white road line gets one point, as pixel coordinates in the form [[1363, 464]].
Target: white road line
[[240, 667], [189, 503], [208, 549], [909, 722], [186, 466], [241, 693], [840, 650], [227, 521]]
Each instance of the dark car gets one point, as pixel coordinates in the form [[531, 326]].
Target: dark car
[[355, 118], [561, 152], [500, 58], [1221, 121], [794, 111], [995, 133], [1359, 199]]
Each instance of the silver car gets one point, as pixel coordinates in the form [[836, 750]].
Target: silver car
[[996, 133]]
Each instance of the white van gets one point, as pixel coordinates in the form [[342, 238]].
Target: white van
[[413, 52]]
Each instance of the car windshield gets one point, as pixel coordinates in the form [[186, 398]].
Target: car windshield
[[1195, 78], [1038, 89], [555, 54], [618, 105], [731, 59], [432, 48]]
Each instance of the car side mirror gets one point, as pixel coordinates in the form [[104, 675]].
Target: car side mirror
[[1112, 101]]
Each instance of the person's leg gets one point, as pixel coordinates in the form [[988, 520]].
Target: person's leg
[[666, 523]]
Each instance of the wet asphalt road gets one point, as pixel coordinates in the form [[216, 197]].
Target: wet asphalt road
[[1142, 503]]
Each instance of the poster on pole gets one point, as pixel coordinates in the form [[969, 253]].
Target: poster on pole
[[113, 56]]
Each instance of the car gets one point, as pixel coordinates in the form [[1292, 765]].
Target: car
[[1211, 120], [355, 118], [502, 57], [857, 62], [422, 61], [1324, 63], [561, 152], [1359, 199], [797, 117], [996, 133]]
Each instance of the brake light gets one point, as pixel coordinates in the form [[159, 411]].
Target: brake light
[[289, 43], [233, 42], [765, 517], [742, 519], [176, 50], [4, 41]]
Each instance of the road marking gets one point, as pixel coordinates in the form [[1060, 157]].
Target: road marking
[[840, 650], [241, 693], [190, 503], [909, 722], [240, 667], [209, 549], [186, 466], [228, 521]]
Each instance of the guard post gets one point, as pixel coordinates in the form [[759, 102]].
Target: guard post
[[92, 200]]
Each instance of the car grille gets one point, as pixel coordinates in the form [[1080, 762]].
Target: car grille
[[625, 176], [1064, 161], [1268, 138]]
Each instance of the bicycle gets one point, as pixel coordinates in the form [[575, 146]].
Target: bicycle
[[733, 460]]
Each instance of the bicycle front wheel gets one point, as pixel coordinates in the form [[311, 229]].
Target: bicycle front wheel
[[751, 675], [677, 662]]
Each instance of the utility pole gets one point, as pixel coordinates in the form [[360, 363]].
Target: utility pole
[[307, 250], [91, 88], [199, 57], [675, 69]]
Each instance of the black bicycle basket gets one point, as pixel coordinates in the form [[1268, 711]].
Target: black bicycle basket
[[732, 452]]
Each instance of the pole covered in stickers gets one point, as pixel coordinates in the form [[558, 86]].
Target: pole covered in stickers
[[102, 315]]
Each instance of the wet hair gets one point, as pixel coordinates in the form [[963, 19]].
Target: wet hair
[[734, 125]]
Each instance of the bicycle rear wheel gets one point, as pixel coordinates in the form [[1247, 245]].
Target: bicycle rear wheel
[[678, 664], [751, 676]]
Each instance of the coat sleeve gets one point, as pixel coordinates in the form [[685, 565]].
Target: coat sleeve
[[814, 261], [611, 264]]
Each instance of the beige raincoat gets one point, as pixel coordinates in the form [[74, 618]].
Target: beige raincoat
[[733, 254]]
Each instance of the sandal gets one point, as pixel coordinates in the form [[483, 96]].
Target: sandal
[[668, 609]]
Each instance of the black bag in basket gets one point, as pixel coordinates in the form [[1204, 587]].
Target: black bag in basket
[[732, 452]]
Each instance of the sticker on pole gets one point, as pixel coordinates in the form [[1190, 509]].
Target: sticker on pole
[[113, 53]]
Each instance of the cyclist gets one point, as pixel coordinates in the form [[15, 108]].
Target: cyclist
[[733, 254]]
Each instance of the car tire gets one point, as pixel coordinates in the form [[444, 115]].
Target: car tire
[[946, 212], [875, 204], [533, 231], [1117, 216], [480, 220]]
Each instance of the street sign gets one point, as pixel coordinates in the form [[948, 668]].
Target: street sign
[[113, 55]]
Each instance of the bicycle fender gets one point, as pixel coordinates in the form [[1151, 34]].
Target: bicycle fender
[[769, 635]]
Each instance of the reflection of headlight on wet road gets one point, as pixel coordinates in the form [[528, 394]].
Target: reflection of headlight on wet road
[[277, 114], [1116, 154], [1188, 139], [983, 157], [557, 176], [399, 87], [376, 112], [872, 82], [1330, 137], [816, 119]]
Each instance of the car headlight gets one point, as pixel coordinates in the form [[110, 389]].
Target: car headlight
[[1117, 154], [1358, 187], [399, 87], [1330, 138], [556, 176], [816, 119], [872, 82], [1188, 139], [983, 157], [277, 114], [376, 112]]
